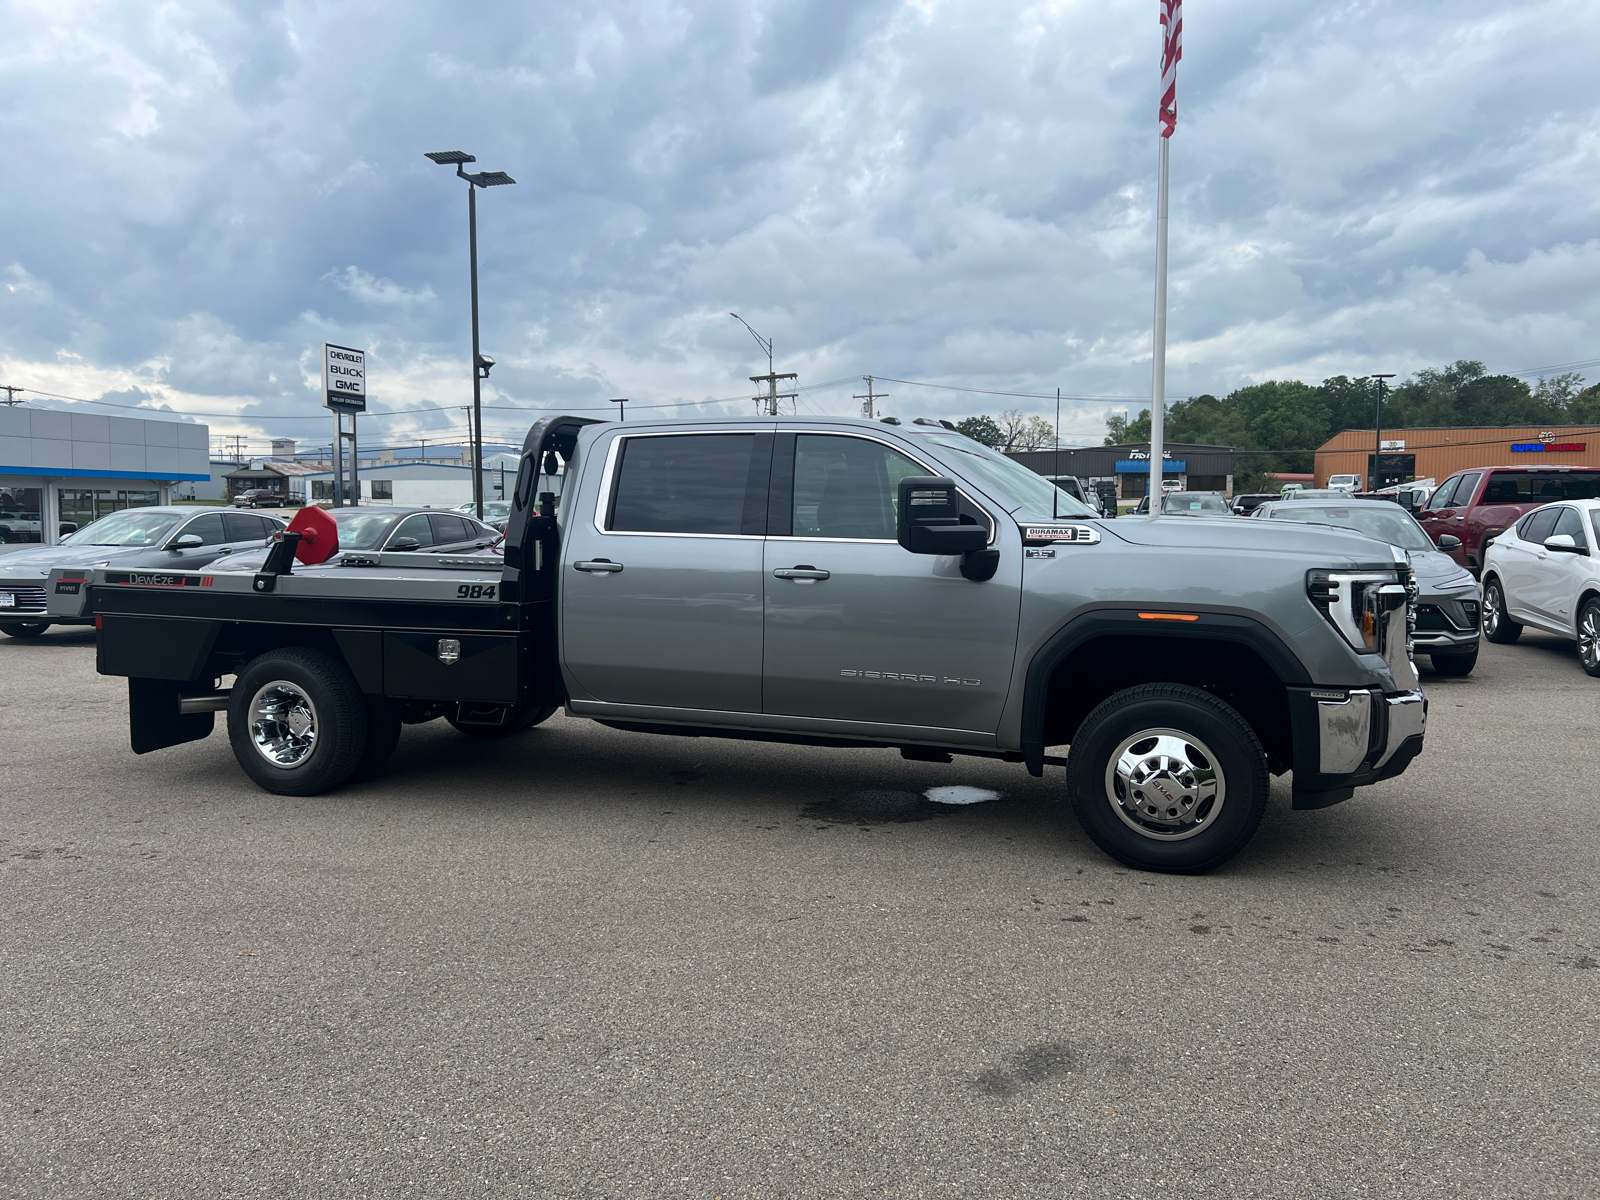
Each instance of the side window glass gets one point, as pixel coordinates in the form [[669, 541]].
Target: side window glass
[[1540, 523], [414, 526], [209, 527], [1462, 496], [244, 528], [448, 529], [1441, 498], [1570, 522], [846, 487], [692, 483]]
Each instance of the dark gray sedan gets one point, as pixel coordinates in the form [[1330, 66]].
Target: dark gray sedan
[[178, 538], [373, 528], [1447, 599]]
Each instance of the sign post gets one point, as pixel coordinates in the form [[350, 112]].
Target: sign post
[[344, 390]]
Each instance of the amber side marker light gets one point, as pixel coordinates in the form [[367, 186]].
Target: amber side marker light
[[1169, 617]]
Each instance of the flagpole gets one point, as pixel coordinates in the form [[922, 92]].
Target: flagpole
[[1158, 375]]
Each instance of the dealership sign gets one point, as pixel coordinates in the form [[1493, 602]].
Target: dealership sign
[[344, 378]]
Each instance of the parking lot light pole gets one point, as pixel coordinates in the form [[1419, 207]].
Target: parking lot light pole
[[622, 407], [481, 363], [1377, 432]]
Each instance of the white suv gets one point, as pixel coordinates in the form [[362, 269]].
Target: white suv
[[1543, 572]]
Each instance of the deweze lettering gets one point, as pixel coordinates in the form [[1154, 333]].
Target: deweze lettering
[[150, 579]]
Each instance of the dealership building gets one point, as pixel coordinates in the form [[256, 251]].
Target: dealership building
[[1195, 468], [61, 470], [1434, 453]]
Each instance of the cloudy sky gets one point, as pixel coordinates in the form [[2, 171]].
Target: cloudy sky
[[954, 192]]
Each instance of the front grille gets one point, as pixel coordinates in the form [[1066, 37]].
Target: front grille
[[1453, 616], [1431, 620], [26, 598]]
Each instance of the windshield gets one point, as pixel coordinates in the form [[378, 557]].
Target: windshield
[[1390, 524], [1199, 504], [1010, 480], [360, 530], [130, 527]]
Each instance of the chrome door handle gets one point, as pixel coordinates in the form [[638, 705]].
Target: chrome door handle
[[600, 565], [803, 572]]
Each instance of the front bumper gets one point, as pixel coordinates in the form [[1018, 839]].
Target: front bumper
[[1446, 622], [1345, 738]]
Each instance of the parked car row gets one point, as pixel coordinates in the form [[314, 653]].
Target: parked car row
[[187, 538]]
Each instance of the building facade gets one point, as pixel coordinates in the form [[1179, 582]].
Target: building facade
[[61, 470], [1433, 453], [1196, 468]]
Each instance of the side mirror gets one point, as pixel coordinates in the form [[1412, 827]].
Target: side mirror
[[1449, 542], [406, 543], [187, 542], [1563, 543], [929, 520]]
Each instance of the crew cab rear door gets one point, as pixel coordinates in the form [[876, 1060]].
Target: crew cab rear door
[[661, 587], [857, 628]]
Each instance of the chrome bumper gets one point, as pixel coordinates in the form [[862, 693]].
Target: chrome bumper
[[1348, 738]]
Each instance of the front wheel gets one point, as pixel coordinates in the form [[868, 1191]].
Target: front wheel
[[23, 629], [1498, 626], [297, 721], [1589, 636], [1455, 664], [1166, 777]]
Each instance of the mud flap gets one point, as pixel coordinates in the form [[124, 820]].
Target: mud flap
[[155, 720]]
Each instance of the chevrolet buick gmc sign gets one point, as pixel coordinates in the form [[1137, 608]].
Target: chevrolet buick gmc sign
[[344, 378]]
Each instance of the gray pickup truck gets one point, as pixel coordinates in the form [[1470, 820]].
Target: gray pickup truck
[[815, 582]]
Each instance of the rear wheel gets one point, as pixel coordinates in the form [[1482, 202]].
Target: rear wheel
[[1589, 636], [1166, 777], [23, 629], [297, 721], [1498, 626], [519, 718], [1455, 664]]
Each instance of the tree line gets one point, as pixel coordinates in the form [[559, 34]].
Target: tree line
[[1277, 426]]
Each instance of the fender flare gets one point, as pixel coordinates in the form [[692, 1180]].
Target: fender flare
[[1084, 628]]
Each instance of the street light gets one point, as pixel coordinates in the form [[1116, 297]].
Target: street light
[[622, 407], [481, 363], [1377, 433]]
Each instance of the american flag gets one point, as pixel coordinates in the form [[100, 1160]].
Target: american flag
[[1171, 52]]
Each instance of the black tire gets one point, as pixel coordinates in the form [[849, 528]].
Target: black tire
[[23, 629], [523, 717], [1498, 626], [1455, 664], [1589, 635], [383, 735], [1212, 832], [337, 714]]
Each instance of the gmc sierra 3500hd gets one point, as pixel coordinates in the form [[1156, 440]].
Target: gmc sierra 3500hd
[[820, 582]]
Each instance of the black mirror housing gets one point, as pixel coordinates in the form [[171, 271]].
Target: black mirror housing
[[929, 518], [1449, 541], [187, 542], [405, 543]]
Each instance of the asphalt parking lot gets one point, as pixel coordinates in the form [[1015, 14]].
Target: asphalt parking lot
[[592, 964]]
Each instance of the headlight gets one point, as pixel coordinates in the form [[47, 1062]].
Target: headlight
[[1353, 603]]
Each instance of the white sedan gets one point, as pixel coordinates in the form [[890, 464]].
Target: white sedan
[[1544, 572]]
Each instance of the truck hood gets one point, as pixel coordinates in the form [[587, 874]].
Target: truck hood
[[1329, 546], [25, 564]]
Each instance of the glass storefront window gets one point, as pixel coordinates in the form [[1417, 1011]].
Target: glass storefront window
[[80, 506], [20, 516]]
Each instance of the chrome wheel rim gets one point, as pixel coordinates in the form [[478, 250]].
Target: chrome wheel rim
[[1491, 609], [1165, 785], [1589, 637], [283, 724]]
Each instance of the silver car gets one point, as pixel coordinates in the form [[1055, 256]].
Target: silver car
[[177, 537], [385, 528], [1447, 595]]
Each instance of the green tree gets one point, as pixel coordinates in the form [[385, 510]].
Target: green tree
[[982, 429]]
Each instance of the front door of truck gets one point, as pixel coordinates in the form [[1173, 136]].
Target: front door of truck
[[1447, 511], [857, 628], [661, 579]]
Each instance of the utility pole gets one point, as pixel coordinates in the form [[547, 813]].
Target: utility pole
[[11, 400], [1374, 483], [869, 410], [771, 400]]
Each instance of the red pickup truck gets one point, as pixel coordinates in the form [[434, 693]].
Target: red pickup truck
[[1468, 509]]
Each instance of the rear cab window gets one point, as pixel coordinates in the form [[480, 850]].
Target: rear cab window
[[700, 483], [1541, 487]]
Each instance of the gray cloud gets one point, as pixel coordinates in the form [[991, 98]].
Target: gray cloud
[[955, 192]]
